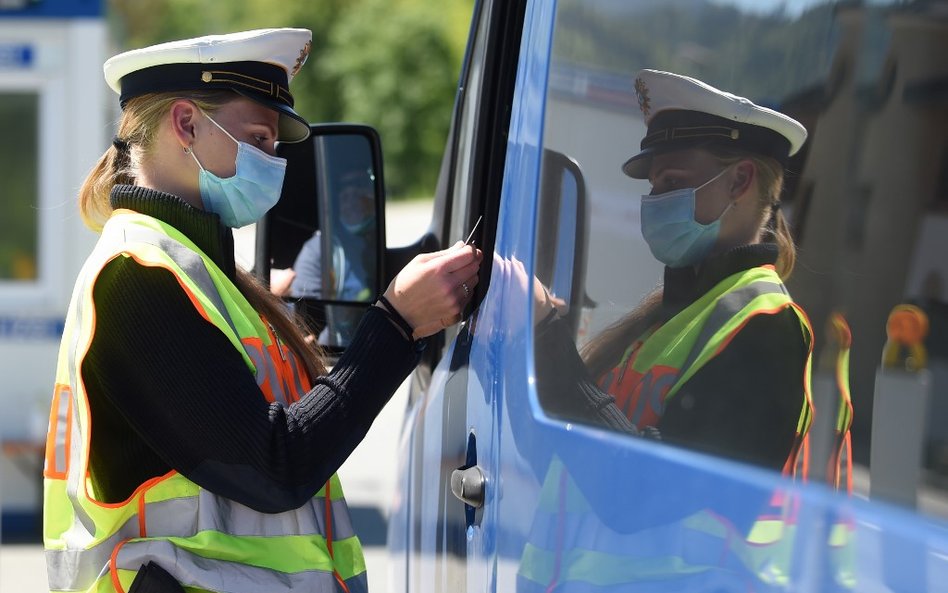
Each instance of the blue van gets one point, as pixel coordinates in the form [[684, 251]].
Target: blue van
[[500, 493]]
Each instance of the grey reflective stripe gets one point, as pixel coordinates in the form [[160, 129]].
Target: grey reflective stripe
[[83, 527], [62, 416], [726, 307], [221, 576], [77, 569], [179, 517]]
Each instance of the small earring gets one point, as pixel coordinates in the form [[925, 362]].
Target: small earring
[[187, 150]]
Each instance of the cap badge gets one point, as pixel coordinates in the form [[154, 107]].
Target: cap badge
[[642, 91], [304, 53]]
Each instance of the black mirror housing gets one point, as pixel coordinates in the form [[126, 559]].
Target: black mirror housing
[[322, 246]]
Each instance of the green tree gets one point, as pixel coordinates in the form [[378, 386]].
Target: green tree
[[392, 64], [398, 71]]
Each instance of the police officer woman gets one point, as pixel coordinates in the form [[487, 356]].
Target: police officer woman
[[194, 434], [714, 358]]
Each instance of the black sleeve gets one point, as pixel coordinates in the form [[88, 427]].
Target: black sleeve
[[745, 403], [564, 386], [185, 391]]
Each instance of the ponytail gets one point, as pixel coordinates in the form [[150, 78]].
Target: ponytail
[[112, 168], [786, 248]]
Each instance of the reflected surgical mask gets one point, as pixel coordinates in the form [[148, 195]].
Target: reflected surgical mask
[[358, 227], [674, 236], [248, 195]]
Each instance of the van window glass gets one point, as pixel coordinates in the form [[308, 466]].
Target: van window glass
[[865, 201], [20, 195]]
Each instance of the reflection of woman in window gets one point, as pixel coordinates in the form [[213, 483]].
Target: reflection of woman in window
[[715, 358], [353, 246]]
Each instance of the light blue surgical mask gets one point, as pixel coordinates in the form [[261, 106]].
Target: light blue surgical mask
[[674, 236], [250, 193]]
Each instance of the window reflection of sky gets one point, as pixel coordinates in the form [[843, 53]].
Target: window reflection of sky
[[793, 8]]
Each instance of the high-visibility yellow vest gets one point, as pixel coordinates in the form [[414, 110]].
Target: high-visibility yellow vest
[[570, 548], [208, 543], [654, 368]]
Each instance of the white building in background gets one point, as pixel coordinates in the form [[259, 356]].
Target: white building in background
[[54, 115]]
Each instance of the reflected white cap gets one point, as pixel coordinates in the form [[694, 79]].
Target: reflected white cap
[[683, 112]]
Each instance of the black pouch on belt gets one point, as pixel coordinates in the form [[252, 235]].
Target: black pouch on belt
[[154, 579]]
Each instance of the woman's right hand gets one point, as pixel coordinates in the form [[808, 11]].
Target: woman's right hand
[[432, 289], [544, 303]]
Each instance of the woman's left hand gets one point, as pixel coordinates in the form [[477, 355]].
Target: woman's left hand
[[432, 290]]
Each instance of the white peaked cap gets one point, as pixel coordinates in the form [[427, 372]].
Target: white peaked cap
[[683, 112], [258, 64]]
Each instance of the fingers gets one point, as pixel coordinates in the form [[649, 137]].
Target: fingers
[[458, 257], [433, 289]]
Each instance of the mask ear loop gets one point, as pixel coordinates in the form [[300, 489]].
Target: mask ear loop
[[220, 127], [190, 150], [713, 179], [730, 203]]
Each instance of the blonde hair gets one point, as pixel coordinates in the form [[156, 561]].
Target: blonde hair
[[603, 352], [769, 189], [138, 128]]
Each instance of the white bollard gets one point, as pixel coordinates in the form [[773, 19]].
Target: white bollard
[[899, 410]]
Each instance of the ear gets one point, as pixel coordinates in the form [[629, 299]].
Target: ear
[[183, 115], [743, 179]]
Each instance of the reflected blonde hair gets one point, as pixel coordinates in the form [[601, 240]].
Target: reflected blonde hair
[[769, 189], [605, 350], [138, 127]]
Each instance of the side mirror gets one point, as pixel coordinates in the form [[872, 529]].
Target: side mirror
[[562, 233], [322, 246]]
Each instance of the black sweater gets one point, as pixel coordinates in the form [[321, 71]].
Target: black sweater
[[167, 390], [743, 404]]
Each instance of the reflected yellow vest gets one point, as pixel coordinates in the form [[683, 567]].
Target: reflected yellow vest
[[206, 542]]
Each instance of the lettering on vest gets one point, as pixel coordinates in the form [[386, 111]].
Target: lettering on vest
[[279, 375], [641, 397]]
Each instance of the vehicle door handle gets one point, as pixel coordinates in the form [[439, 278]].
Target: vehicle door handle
[[468, 485]]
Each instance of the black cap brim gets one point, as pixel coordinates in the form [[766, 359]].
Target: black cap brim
[[292, 126], [673, 130], [638, 165]]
